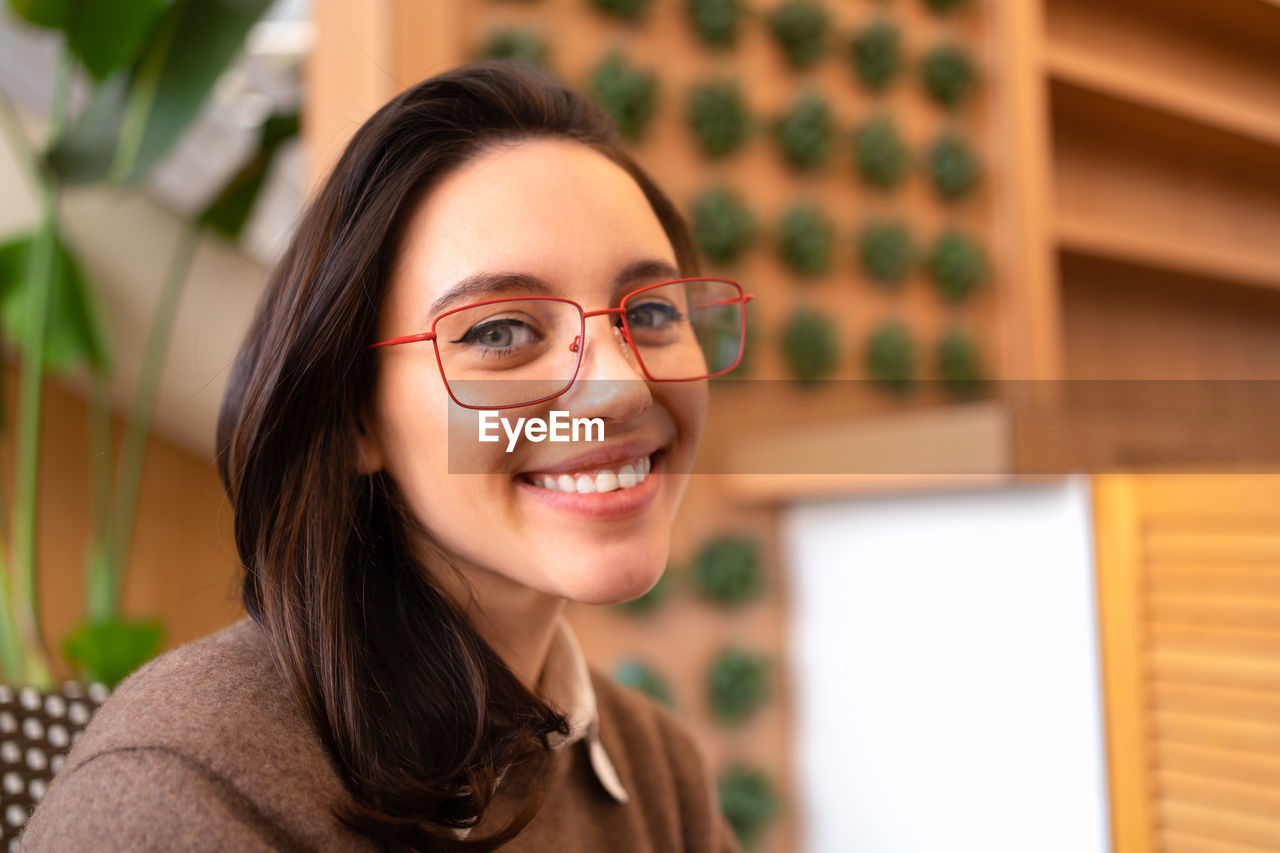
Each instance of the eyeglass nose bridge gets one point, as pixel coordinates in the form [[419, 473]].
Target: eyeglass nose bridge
[[577, 339]]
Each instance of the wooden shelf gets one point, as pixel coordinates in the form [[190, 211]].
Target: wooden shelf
[[1211, 63], [1122, 79], [1127, 320], [1127, 241], [1146, 186]]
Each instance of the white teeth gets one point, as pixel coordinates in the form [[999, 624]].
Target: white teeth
[[603, 480]]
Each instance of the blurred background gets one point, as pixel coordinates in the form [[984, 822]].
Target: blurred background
[[985, 554]]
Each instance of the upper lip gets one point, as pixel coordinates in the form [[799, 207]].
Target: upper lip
[[607, 456]]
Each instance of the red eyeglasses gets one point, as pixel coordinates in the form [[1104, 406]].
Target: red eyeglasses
[[518, 351]]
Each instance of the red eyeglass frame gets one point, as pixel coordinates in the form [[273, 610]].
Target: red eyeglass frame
[[575, 347]]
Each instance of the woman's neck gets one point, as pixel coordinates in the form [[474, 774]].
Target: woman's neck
[[517, 622]]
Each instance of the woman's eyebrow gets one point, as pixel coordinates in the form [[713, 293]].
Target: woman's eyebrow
[[644, 268], [474, 288]]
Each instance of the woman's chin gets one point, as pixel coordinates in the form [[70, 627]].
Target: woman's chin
[[615, 586]]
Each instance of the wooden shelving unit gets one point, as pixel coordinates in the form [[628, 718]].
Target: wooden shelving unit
[[1142, 200], [1164, 127], [1152, 187], [1142, 208], [1189, 99]]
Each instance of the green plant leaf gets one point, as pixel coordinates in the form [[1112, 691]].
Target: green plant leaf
[[110, 650], [626, 93], [945, 7], [748, 801], [800, 29], [805, 237], [882, 158], [960, 364], [718, 116], [230, 209], [737, 685], [53, 14], [638, 675], [805, 132], [76, 332], [723, 227], [876, 53], [948, 74], [110, 34], [891, 360], [626, 10], [716, 21], [957, 264], [887, 252], [83, 153], [810, 345], [137, 115], [953, 166], [728, 570], [524, 43]]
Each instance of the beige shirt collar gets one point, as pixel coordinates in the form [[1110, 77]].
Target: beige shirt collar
[[565, 684]]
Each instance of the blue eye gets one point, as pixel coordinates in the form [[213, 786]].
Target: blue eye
[[503, 335]]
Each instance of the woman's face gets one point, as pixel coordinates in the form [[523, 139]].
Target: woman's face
[[569, 223]]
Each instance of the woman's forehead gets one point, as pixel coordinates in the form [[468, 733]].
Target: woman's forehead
[[555, 209]]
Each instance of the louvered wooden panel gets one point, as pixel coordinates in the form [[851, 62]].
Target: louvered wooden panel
[[1221, 763], [1181, 842], [1221, 824], [1189, 610], [1213, 700]]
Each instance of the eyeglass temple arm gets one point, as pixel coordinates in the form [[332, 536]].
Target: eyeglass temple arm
[[405, 339], [745, 298]]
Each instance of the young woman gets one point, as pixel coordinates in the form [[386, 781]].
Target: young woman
[[405, 679]]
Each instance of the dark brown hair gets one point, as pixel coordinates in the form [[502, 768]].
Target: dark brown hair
[[418, 713]]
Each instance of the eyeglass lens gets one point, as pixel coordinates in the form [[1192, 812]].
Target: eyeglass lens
[[518, 351]]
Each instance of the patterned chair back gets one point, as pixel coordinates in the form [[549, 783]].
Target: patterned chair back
[[37, 730]]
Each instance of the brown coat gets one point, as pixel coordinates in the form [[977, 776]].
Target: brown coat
[[203, 749]]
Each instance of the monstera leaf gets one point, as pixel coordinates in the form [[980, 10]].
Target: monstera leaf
[[76, 334], [137, 115]]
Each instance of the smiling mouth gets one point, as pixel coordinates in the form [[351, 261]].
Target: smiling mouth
[[596, 480]]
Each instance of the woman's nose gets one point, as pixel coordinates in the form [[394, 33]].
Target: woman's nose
[[610, 382]]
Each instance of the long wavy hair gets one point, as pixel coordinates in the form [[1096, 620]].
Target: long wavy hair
[[419, 714]]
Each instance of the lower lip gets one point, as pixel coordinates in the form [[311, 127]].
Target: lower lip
[[618, 503]]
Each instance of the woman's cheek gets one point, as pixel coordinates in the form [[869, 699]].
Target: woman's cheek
[[687, 401]]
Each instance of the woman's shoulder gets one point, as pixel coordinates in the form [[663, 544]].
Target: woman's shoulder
[[640, 722], [661, 763], [203, 699], [201, 748], [202, 678]]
